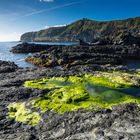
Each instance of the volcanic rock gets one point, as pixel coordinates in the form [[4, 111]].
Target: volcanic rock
[[122, 122]]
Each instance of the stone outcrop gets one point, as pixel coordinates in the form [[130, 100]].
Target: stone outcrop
[[30, 48], [7, 66], [119, 38], [122, 122], [84, 55]]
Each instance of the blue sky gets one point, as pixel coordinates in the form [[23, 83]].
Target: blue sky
[[20, 16]]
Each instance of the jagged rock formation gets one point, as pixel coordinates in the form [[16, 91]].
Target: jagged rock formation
[[87, 30], [31, 48], [84, 55], [7, 66]]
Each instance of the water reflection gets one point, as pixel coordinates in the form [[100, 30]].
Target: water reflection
[[95, 89]]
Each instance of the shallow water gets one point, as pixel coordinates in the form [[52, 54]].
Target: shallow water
[[19, 59], [94, 89], [133, 64], [6, 55]]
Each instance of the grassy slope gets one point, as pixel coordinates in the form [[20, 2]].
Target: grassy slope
[[83, 28]]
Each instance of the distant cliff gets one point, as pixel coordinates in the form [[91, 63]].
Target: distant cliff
[[88, 30]]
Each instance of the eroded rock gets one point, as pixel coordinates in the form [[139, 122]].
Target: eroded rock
[[122, 122]]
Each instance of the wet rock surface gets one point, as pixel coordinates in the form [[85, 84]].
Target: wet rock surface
[[84, 55], [29, 48], [123, 122], [111, 49], [7, 67]]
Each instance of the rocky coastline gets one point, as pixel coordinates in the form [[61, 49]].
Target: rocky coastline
[[120, 122], [67, 56], [77, 92], [31, 48]]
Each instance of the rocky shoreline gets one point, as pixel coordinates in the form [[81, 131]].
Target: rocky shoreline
[[31, 48], [69, 56], [122, 122]]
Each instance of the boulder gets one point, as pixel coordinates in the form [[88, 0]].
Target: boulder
[[6, 66]]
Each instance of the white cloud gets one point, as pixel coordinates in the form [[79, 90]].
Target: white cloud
[[46, 0], [13, 36], [46, 27]]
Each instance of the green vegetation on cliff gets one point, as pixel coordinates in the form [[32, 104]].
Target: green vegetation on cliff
[[84, 29]]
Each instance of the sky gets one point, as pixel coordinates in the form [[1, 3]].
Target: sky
[[20, 16]]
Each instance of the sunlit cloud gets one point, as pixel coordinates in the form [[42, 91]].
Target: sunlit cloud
[[63, 25], [12, 36], [46, 0]]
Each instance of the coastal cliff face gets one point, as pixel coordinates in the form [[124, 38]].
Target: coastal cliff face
[[87, 30]]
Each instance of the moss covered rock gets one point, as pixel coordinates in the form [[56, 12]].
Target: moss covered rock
[[20, 113], [111, 80], [75, 92]]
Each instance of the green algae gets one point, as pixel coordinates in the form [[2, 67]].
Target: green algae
[[47, 83], [63, 99], [20, 113], [75, 92], [111, 98], [62, 102], [111, 80]]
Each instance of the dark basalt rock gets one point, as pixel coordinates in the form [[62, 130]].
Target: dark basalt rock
[[121, 122], [118, 38], [124, 38], [7, 66], [83, 43], [29, 48], [101, 41], [84, 55]]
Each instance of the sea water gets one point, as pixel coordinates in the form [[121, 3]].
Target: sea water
[[19, 59]]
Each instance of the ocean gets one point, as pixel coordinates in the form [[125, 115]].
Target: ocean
[[19, 59]]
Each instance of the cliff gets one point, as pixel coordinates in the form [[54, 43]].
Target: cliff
[[85, 29]]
